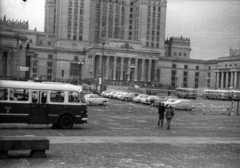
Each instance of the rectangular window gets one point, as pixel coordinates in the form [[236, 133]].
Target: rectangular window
[[180, 54], [3, 93], [49, 43], [185, 67], [175, 53], [50, 56], [185, 54], [75, 58], [57, 96], [174, 65], [73, 97], [19, 95], [74, 69], [197, 67]]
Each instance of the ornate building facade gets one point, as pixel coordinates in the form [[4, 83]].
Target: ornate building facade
[[121, 40]]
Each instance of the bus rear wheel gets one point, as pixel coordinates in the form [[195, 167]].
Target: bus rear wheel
[[65, 122]]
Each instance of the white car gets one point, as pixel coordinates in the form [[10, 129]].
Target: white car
[[179, 104], [105, 93], [143, 99], [138, 98], [111, 94], [121, 94], [116, 94], [94, 99]]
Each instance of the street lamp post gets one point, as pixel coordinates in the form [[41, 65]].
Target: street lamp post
[[101, 85], [80, 63]]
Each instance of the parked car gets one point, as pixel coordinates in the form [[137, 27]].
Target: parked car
[[160, 99], [116, 94], [155, 99], [119, 95], [179, 104], [137, 99], [105, 93], [128, 97], [94, 99], [143, 99], [110, 95]]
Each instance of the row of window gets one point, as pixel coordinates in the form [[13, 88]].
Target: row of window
[[24, 95], [186, 67], [180, 54]]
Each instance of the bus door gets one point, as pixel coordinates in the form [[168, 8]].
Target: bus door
[[43, 108], [39, 107]]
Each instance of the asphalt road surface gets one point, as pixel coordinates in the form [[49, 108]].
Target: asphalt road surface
[[127, 135]]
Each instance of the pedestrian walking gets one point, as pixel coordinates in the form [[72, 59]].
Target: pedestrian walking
[[161, 110], [169, 115]]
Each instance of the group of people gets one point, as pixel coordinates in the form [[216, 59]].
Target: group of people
[[169, 114]]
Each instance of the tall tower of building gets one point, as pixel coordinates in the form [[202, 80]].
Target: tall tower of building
[[90, 21], [50, 16]]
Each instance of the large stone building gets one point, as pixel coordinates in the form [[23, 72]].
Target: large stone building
[[121, 40]]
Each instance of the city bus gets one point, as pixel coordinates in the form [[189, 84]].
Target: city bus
[[186, 93], [217, 94], [62, 105], [235, 94]]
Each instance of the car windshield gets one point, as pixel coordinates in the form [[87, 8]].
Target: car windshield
[[192, 91]]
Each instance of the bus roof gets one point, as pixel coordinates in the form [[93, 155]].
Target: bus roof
[[39, 85], [185, 88], [216, 90]]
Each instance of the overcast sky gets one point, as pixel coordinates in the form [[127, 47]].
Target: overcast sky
[[213, 26]]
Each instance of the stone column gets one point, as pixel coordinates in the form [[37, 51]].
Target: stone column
[[155, 70], [217, 81], [149, 70], [122, 66], [231, 82], [114, 68], [227, 79], [107, 67], [100, 66], [129, 70], [136, 70], [143, 70], [235, 79], [222, 75], [93, 66]]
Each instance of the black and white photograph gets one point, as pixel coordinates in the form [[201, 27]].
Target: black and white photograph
[[119, 83]]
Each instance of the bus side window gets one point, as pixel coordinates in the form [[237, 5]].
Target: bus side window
[[3, 94], [34, 97], [13, 95], [73, 97], [44, 98], [57, 96]]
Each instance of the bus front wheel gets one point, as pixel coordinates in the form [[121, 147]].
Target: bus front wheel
[[65, 122]]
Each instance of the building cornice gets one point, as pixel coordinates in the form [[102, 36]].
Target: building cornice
[[57, 50]]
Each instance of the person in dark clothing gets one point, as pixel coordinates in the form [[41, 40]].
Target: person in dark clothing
[[169, 115], [169, 93], [161, 110]]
